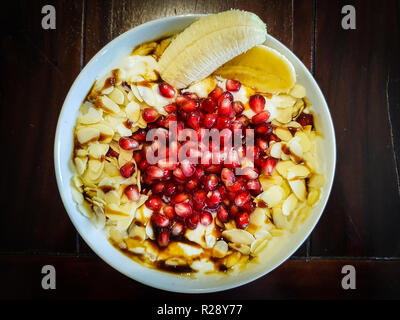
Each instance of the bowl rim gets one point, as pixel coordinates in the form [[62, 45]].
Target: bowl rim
[[65, 201]]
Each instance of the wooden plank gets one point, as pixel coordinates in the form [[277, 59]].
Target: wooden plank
[[90, 278], [40, 66], [352, 68]]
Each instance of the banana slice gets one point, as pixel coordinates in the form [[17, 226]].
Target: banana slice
[[207, 44], [261, 68]]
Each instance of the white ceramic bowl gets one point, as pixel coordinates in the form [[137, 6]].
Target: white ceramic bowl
[[99, 65]]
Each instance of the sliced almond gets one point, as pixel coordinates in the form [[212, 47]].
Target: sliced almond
[[138, 233], [297, 172], [298, 91], [299, 188], [220, 249], [258, 217], [132, 111], [92, 116], [283, 166], [117, 96], [316, 181], [97, 150], [238, 236], [313, 196], [242, 248], [280, 220], [80, 165], [276, 150], [283, 133], [272, 196], [289, 205], [87, 134], [107, 105]]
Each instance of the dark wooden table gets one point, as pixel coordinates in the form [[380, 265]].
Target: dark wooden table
[[357, 70]]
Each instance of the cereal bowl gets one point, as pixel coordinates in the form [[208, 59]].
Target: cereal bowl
[[96, 239]]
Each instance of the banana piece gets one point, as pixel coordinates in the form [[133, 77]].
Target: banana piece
[[207, 44], [261, 68]]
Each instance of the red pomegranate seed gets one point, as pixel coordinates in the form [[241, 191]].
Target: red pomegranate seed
[[262, 144], [249, 206], [216, 93], [159, 220], [305, 119], [257, 103], [189, 106], [242, 198], [181, 197], [222, 214], [183, 209], [187, 168], [254, 186], [155, 172], [214, 168], [111, 153], [209, 120], [170, 188], [127, 169], [150, 115], [167, 164], [168, 211], [154, 203], [223, 122], [250, 173], [193, 221], [263, 129], [232, 160], [238, 107], [139, 135], [163, 238], [170, 108], [128, 143], [210, 182], [233, 211], [191, 95], [199, 173], [225, 95], [199, 199], [233, 85], [158, 187], [193, 120], [166, 90], [273, 137], [143, 164], [179, 174], [192, 185], [132, 192], [206, 218], [268, 165], [224, 106], [252, 152], [208, 105], [177, 229], [260, 117], [214, 199], [227, 177], [242, 220]]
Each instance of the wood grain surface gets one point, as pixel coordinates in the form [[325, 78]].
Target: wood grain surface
[[357, 70]]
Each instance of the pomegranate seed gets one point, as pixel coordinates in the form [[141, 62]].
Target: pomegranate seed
[[150, 115], [167, 164], [170, 108], [257, 103], [263, 129], [189, 106], [153, 203], [242, 198], [199, 173], [209, 120], [155, 172], [250, 173], [177, 229], [199, 199], [206, 218], [214, 199], [260, 117], [139, 135], [254, 186], [305, 119], [242, 220], [169, 119], [188, 169], [262, 144], [273, 137], [232, 160], [127, 169], [170, 188], [210, 182], [193, 120], [128, 143], [225, 95], [181, 197], [191, 95], [193, 221], [159, 220], [233, 211], [132, 192], [168, 211], [224, 106], [183, 209], [216, 93], [111, 153], [268, 165], [237, 187], [222, 214], [214, 168], [143, 164], [233, 85], [192, 185], [238, 107], [223, 122], [208, 105], [230, 195], [179, 174], [227, 177], [249, 206], [252, 152], [166, 90], [163, 238], [158, 187]]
